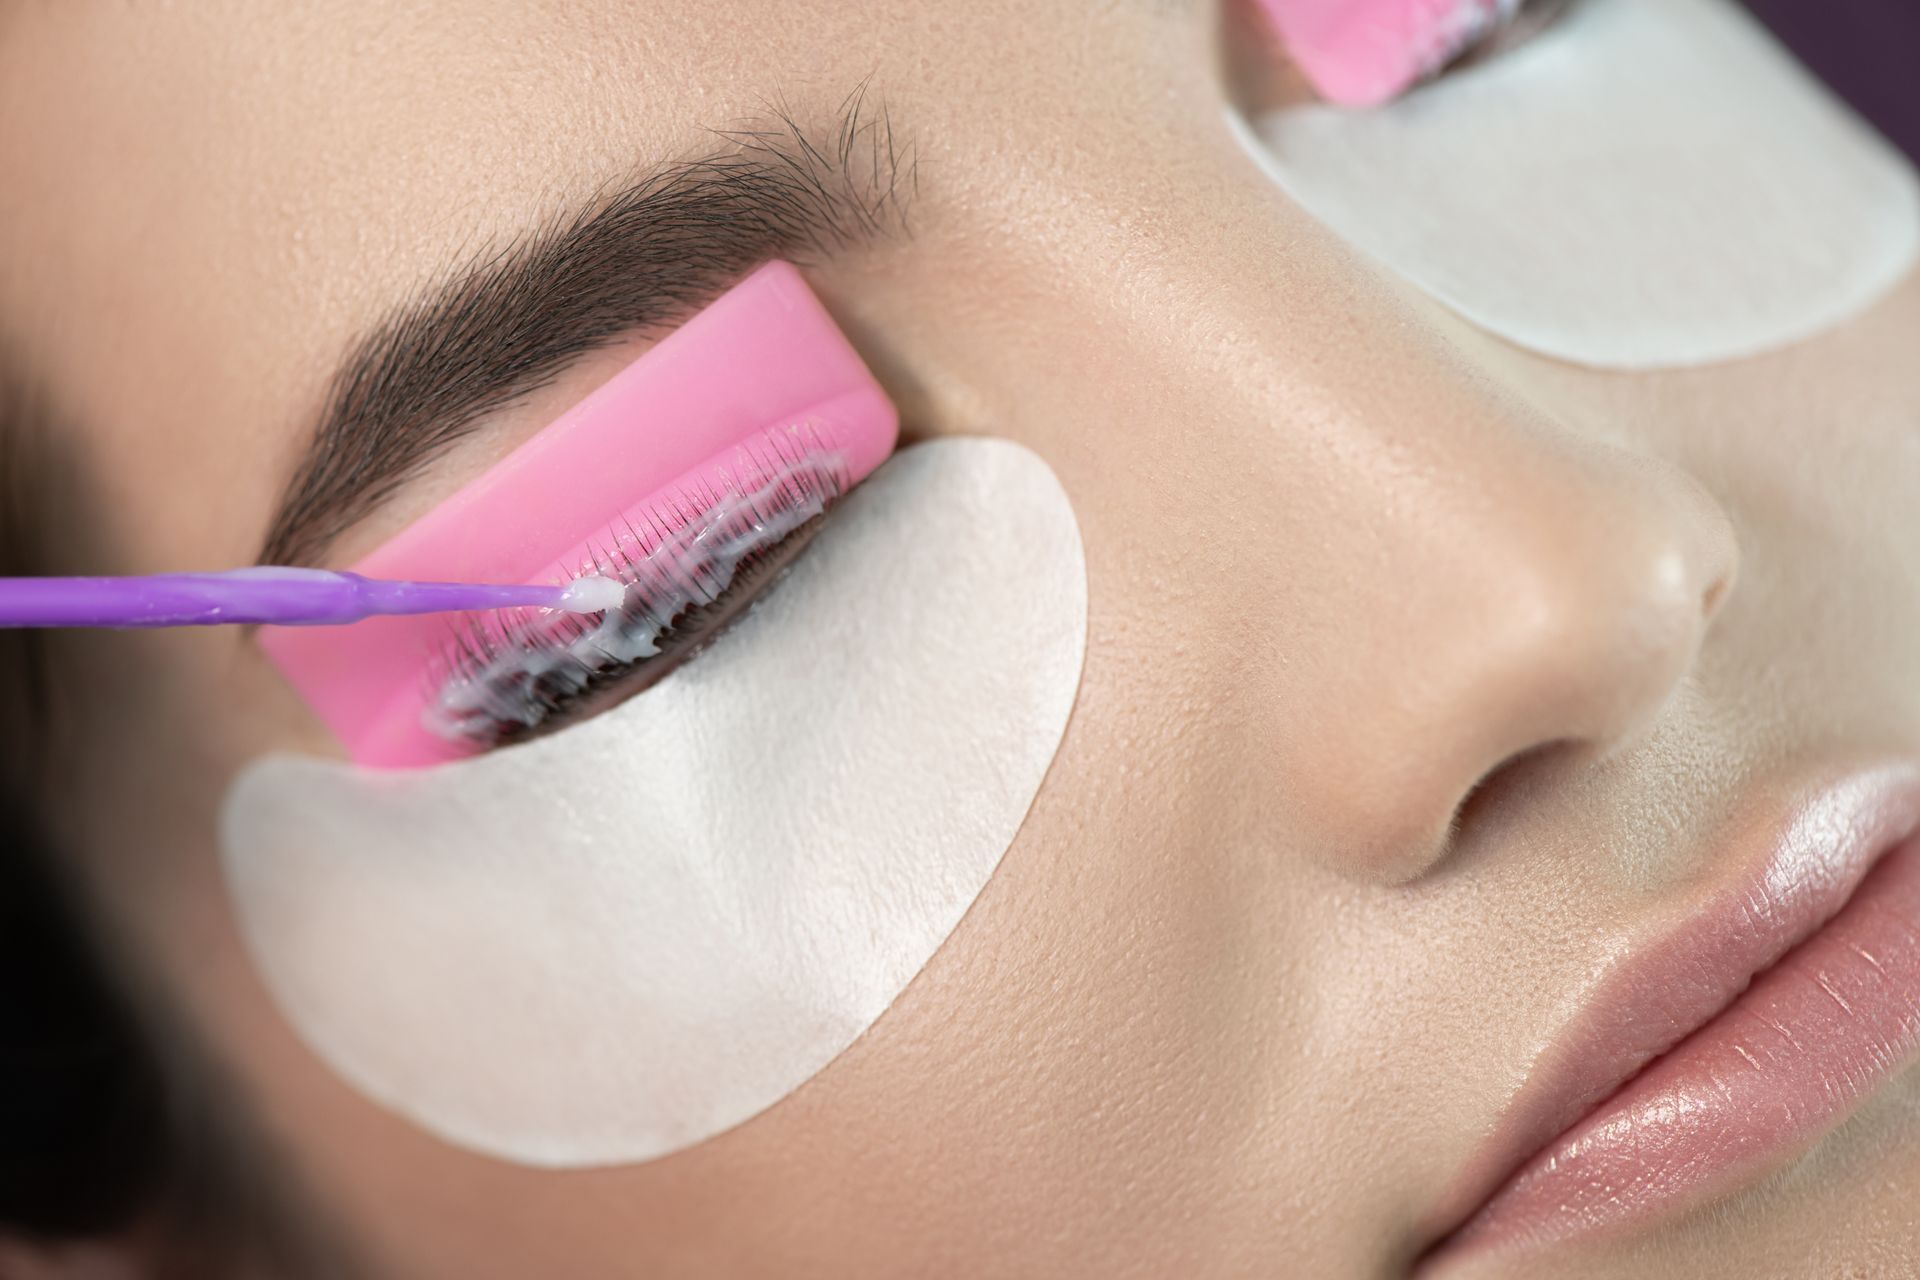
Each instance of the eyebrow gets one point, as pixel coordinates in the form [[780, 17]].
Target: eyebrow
[[634, 259]]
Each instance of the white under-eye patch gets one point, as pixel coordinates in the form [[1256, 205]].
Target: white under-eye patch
[[609, 944], [1647, 183]]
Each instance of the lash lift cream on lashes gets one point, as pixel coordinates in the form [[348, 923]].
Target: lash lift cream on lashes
[[609, 943]]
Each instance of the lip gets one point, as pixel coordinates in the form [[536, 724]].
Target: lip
[[1724, 1045]]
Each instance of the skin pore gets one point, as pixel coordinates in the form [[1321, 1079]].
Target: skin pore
[[1325, 857]]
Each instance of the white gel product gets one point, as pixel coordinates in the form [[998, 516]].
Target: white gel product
[[1648, 183], [608, 944], [593, 594]]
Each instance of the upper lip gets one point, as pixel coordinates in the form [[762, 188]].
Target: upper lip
[[1791, 872]]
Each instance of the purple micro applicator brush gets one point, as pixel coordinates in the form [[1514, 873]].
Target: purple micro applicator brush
[[282, 596]]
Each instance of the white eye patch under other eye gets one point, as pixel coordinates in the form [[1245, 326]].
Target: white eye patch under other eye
[[611, 943], [1648, 183]]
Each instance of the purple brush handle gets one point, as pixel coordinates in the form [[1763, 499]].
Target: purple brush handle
[[289, 597]]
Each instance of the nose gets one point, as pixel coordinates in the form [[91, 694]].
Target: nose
[[1517, 588], [1551, 597], [1365, 572], [1488, 584]]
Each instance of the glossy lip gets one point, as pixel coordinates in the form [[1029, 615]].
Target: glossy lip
[[1801, 873]]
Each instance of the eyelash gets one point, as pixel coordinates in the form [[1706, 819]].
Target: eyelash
[[691, 564]]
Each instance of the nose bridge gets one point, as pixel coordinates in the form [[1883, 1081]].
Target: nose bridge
[[1416, 575]]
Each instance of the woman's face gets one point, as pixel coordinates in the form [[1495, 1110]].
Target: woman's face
[[1438, 697]]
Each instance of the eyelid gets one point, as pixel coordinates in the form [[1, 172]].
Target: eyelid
[[765, 357]]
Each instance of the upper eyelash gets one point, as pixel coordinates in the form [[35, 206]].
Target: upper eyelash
[[505, 676]]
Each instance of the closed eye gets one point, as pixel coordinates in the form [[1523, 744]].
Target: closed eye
[[691, 563]]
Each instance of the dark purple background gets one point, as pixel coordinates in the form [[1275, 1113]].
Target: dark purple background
[[1868, 50]]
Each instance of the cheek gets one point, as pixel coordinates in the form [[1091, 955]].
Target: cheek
[[609, 944], [1650, 183]]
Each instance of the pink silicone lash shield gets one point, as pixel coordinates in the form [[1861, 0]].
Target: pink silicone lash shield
[[1362, 53], [697, 411]]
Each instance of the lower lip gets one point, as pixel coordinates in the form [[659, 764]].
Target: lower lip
[[1784, 1064]]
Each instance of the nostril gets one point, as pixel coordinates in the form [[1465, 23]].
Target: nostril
[[1715, 553], [1710, 602], [1500, 789], [1720, 584]]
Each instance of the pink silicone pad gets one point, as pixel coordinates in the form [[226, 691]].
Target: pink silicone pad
[[763, 364], [1360, 53]]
